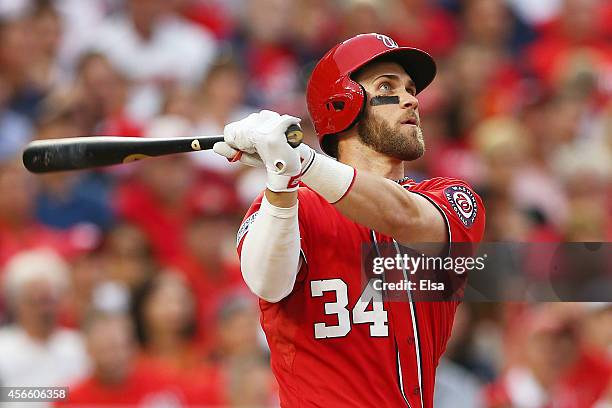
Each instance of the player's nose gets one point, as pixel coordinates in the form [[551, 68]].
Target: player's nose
[[409, 101]]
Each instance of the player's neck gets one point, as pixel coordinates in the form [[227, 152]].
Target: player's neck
[[362, 157]]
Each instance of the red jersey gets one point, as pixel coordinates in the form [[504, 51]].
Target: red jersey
[[334, 343]]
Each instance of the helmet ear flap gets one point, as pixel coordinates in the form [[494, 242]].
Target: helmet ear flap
[[345, 105]]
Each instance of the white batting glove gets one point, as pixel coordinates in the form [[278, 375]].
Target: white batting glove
[[261, 137], [252, 159], [231, 154]]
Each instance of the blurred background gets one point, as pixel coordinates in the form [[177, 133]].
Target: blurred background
[[123, 283]]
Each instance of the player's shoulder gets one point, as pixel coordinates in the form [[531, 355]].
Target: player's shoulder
[[435, 183], [456, 199]]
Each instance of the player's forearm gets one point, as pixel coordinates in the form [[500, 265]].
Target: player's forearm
[[282, 200], [376, 202], [271, 251], [380, 204]]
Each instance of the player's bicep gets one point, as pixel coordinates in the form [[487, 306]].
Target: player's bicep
[[428, 225]]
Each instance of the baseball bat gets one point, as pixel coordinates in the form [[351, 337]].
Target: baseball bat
[[77, 153]]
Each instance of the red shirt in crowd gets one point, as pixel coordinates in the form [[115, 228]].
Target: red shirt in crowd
[[142, 386]]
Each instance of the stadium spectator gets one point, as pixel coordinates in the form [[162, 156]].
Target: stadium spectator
[[151, 46], [15, 129], [19, 229], [166, 320], [16, 66], [35, 350], [220, 100], [238, 335], [46, 27], [572, 47], [102, 95], [262, 44], [251, 384], [423, 24], [158, 198], [117, 377], [553, 369], [126, 257], [456, 386], [206, 262], [167, 323], [66, 200]]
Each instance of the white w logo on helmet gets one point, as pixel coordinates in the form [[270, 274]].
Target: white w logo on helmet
[[388, 41]]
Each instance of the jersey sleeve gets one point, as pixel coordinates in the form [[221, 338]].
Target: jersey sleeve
[[461, 207]]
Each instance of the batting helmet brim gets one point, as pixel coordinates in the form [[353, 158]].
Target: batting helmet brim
[[417, 63]]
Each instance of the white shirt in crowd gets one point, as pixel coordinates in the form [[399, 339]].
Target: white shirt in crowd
[[177, 51], [60, 361]]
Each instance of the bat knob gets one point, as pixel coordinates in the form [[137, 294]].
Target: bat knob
[[295, 135]]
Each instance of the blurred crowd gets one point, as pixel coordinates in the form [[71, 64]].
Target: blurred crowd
[[124, 283]]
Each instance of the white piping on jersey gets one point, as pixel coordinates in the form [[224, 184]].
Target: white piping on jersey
[[303, 255], [414, 327], [399, 366], [401, 379]]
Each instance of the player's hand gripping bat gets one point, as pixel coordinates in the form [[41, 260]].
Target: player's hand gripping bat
[[76, 153]]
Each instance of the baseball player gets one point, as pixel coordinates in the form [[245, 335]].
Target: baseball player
[[334, 341]]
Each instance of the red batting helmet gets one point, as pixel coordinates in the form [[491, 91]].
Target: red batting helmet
[[335, 101]]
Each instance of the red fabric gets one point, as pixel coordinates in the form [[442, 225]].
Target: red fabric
[[495, 395], [136, 203], [272, 68], [586, 382], [555, 51], [143, 385], [359, 368], [583, 385], [200, 383], [34, 236], [165, 228], [120, 125], [210, 289], [436, 32], [211, 16]]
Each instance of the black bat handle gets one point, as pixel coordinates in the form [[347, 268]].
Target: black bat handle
[[294, 135]]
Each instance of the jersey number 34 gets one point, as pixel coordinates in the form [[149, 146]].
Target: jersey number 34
[[376, 316]]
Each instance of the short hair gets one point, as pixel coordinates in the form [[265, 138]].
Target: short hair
[[329, 144], [33, 265]]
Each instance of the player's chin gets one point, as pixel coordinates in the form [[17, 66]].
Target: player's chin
[[413, 146]]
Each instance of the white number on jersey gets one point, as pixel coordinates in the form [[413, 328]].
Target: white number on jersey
[[377, 316], [338, 307]]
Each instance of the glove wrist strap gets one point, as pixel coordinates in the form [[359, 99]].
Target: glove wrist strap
[[282, 183]]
